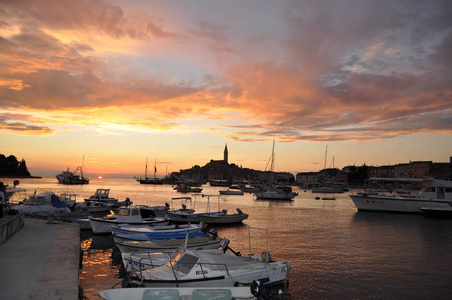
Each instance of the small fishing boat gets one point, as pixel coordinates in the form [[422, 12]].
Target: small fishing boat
[[276, 193], [188, 215], [132, 246], [95, 207], [148, 233], [103, 195], [130, 215], [213, 268], [187, 189], [224, 218], [229, 192]]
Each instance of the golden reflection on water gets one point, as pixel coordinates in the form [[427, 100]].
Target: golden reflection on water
[[96, 264]]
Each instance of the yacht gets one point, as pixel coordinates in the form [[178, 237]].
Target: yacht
[[435, 194]]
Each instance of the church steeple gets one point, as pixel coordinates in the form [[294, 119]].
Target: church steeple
[[226, 153]]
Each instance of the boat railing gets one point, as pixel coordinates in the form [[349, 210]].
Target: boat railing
[[202, 272]]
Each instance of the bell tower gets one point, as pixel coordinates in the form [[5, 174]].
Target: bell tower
[[226, 153]]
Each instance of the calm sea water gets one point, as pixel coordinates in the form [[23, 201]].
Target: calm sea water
[[335, 252]]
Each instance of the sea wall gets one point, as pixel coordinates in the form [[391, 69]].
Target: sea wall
[[10, 224]]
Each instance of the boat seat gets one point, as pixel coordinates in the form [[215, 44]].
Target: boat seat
[[207, 294], [167, 294]]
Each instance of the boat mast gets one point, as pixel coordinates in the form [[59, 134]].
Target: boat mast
[[326, 155], [155, 167], [146, 169], [83, 165]]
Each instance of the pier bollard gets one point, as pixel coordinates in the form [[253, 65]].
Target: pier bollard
[[50, 217]]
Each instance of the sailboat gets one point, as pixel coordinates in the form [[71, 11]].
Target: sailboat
[[271, 192], [148, 180]]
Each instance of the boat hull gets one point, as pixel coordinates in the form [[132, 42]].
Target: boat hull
[[225, 219], [393, 203], [438, 212], [128, 246], [273, 196], [103, 225], [181, 293], [274, 274]]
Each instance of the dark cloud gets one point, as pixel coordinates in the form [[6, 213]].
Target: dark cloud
[[8, 122]]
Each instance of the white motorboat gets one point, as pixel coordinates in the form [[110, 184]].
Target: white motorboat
[[187, 189], [199, 243], [42, 203], [68, 177], [131, 215], [95, 207], [103, 195], [70, 200], [178, 293], [188, 215], [213, 268], [276, 193], [435, 194]]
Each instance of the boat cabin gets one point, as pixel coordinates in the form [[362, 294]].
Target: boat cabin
[[101, 194], [437, 189]]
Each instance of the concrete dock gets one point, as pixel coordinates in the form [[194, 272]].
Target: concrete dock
[[41, 261]]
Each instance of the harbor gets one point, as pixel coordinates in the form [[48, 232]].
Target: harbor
[[334, 251]]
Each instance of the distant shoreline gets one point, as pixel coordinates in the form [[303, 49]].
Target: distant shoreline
[[18, 176]]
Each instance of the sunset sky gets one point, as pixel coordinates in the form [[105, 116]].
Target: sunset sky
[[114, 82]]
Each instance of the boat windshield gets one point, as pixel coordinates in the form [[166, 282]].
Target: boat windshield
[[182, 262], [123, 212], [37, 200]]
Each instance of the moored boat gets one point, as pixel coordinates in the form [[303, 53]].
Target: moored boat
[[188, 215], [276, 193], [229, 192], [148, 233], [224, 218], [42, 204], [132, 246], [178, 293], [221, 267], [213, 268], [103, 195], [131, 215], [435, 193]]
